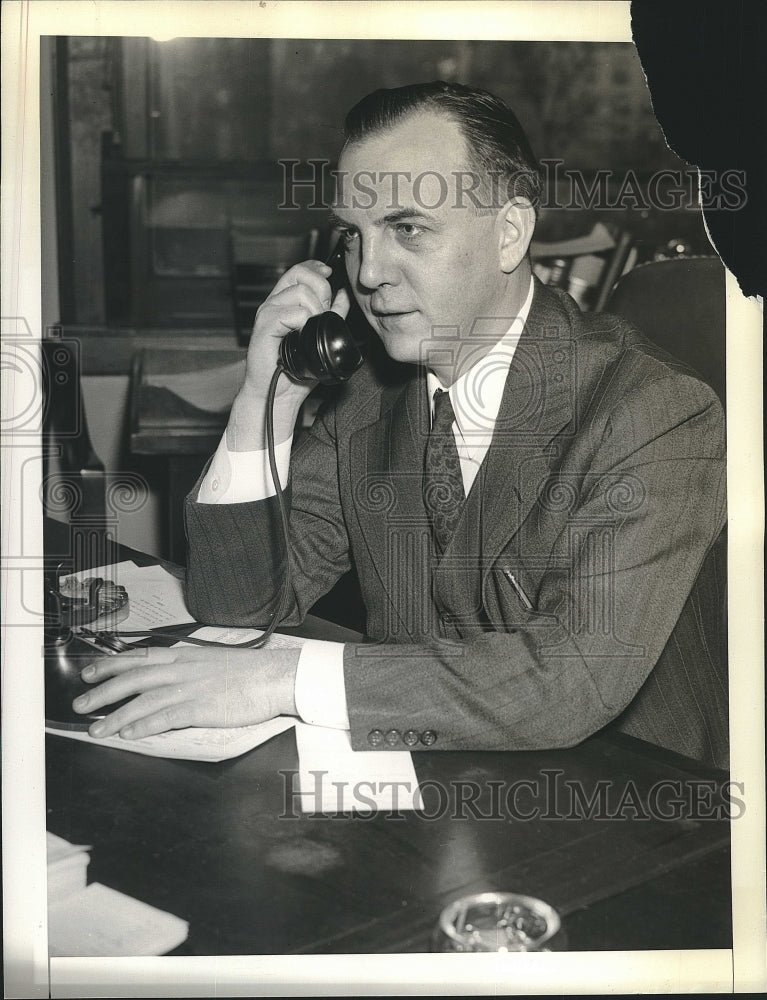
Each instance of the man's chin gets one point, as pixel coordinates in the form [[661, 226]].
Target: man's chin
[[400, 343], [400, 350]]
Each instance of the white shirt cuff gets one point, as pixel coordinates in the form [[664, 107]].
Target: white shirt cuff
[[320, 691], [242, 476]]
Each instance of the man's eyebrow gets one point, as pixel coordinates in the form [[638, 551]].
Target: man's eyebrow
[[397, 216], [336, 221], [406, 213]]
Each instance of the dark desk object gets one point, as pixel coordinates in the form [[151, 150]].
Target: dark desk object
[[225, 847], [79, 480]]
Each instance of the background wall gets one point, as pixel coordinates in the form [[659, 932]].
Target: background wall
[[249, 99]]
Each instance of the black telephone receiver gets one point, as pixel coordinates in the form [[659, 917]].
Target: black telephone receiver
[[324, 350]]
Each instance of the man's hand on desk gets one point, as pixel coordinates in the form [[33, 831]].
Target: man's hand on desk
[[177, 688]]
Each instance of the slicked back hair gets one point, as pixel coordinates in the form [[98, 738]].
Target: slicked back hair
[[498, 148]]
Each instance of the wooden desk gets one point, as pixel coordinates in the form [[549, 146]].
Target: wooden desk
[[224, 846]]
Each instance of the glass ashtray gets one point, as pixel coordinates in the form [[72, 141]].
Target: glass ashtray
[[498, 921]]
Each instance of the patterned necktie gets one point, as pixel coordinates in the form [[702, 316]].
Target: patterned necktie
[[443, 483]]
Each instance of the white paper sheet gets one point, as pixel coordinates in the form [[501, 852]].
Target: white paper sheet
[[333, 778], [196, 743], [239, 636], [58, 849], [101, 922]]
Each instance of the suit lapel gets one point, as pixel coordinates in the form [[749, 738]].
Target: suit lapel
[[386, 463], [537, 403]]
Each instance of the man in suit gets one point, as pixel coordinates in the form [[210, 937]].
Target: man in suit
[[531, 504]]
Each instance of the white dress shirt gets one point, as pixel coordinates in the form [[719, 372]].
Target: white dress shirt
[[240, 477]]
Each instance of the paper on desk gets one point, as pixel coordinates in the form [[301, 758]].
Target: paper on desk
[[211, 389], [195, 743], [333, 778], [222, 634], [58, 848], [156, 598], [100, 922]]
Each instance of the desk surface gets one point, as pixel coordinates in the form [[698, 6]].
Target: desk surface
[[224, 846]]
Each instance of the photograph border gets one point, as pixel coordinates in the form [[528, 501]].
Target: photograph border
[[27, 966]]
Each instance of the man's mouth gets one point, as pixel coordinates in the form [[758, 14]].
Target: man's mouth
[[388, 313]]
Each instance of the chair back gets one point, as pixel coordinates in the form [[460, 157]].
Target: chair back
[[680, 305]]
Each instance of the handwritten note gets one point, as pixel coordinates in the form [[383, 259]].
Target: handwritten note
[[156, 598]]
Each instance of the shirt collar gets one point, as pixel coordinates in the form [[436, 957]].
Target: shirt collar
[[476, 395]]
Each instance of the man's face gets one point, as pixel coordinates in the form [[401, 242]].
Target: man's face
[[418, 255]]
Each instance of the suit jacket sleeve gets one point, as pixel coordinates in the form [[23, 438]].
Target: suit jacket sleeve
[[236, 552]]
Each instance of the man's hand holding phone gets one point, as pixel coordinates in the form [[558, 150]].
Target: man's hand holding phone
[[303, 291]]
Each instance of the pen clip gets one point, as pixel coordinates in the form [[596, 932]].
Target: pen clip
[[518, 589]]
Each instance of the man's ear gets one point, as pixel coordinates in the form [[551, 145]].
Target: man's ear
[[516, 224]]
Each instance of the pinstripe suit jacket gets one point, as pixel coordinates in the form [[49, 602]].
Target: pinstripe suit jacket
[[602, 494]]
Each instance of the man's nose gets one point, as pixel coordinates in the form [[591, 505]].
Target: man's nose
[[376, 264]]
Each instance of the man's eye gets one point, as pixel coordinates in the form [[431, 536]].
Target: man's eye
[[409, 230], [347, 236]]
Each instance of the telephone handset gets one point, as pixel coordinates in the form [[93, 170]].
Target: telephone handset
[[324, 350]]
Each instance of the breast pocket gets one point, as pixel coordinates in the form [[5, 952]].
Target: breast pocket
[[510, 599]]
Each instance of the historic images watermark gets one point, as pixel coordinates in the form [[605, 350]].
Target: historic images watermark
[[316, 185], [549, 796]]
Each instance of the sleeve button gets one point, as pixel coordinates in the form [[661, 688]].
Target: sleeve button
[[428, 737], [393, 737], [410, 738], [375, 738]]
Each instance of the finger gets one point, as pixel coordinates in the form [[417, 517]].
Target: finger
[[341, 303], [311, 296], [109, 666], [170, 717], [132, 682], [167, 712], [290, 309], [312, 273]]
